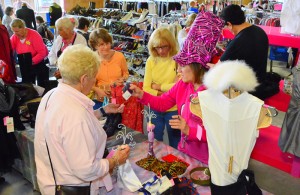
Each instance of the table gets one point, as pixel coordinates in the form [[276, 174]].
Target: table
[[160, 150], [26, 138], [274, 35]]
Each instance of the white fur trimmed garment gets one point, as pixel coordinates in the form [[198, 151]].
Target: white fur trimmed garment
[[231, 124], [227, 74]]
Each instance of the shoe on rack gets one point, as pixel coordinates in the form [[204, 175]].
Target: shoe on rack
[[142, 18], [128, 16]]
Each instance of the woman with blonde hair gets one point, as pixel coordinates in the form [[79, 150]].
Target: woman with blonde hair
[[160, 76]]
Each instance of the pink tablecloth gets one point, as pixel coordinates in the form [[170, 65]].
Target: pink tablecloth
[[160, 150], [275, 37]]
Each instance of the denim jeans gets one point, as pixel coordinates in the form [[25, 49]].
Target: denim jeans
[[161, 121]]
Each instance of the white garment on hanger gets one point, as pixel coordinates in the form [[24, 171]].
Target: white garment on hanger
[[152, 8], [290, 17], [231, 129]]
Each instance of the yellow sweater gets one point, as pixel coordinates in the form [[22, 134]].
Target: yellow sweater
[[160, 71]]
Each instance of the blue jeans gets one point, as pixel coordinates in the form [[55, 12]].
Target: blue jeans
[[161, 121]]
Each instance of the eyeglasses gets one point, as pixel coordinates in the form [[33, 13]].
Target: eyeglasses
[[162, 47], [104, 44]]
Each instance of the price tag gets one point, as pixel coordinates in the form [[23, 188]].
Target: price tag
[[126, 95], [10, 124], [199, 132], [113, 100]]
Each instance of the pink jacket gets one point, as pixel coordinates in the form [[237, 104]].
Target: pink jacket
[[33, 44], [179, 95]]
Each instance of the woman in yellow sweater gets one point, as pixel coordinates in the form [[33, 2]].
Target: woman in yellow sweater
[[113, 67], [160, 76]]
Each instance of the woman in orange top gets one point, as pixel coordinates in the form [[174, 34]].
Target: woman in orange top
[[113, 68]]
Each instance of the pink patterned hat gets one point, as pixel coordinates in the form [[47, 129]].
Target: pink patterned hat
[[201, 40]]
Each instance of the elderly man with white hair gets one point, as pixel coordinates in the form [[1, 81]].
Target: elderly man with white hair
[[67, 36]]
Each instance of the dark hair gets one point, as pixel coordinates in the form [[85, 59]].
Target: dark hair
[[233, 14], [8, 10], [40, 19], [198, 71], [82, 22]]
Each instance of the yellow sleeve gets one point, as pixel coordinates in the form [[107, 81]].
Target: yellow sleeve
[[166, 87], [148, 78]]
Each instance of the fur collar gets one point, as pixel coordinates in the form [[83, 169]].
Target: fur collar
[[227, 74]]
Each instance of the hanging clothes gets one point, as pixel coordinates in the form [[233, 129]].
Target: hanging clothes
[[6, 55], [290, 132], [290, 16]]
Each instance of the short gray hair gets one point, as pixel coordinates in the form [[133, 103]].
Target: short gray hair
[[65, 23], [76, 61], [17, 23]]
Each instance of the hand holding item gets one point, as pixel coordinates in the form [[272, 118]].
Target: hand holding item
[[114, 108], [119, 81], [100, 93], [109, 109], [136, 91], [121, 154], [177, 122]]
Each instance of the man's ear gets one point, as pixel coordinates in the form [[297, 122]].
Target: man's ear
[[83, 79]]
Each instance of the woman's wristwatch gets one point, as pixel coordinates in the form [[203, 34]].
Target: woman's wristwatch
[[102, 111]]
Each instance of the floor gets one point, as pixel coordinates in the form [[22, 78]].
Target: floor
[[268, 178]]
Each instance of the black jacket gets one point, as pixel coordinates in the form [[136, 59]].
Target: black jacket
[[27, 15]]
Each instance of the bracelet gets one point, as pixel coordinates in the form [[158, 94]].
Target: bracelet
[[102, 111]]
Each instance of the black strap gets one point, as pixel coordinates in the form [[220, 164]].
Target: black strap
[[47, 146], [51, 164]]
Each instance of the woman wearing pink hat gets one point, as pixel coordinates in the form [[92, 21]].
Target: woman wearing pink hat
[[196, 53]]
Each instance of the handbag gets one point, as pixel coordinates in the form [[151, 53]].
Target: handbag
[[245, 185], [111, 124], [66, 190]]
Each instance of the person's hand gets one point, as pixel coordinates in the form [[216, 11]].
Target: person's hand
[[122, 154], [159, 93], [119, 81], [113, 108], [101, 93], [156, 86], [136, 91], [57, 74], [177, 122]]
